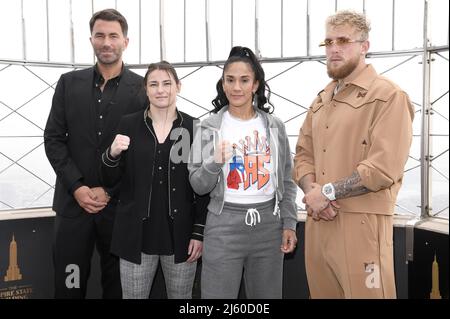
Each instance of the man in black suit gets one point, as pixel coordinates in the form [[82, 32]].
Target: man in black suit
[[86, 108]]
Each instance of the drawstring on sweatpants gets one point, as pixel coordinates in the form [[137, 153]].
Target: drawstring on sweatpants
[[252, 216], [276, 211]]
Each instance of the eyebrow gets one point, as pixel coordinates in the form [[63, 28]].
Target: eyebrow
[[343, 37], [163, 81], [104, 33], [233, 76]]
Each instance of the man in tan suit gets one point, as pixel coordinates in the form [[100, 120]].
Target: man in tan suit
[[349, 162]]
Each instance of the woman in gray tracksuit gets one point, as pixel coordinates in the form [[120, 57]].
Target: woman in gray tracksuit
[[241, 156]]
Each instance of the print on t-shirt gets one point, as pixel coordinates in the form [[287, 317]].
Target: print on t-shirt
[[249, 176], [250, 167]]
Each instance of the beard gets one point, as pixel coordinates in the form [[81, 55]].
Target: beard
[[111, 58], [339, 73]]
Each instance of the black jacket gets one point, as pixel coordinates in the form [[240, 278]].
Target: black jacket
[[186, 208], [72, 144]]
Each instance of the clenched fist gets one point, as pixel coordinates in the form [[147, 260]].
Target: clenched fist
[[223, 152], [120, 144]]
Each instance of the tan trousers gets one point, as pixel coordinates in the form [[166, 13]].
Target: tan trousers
[[350, 257]]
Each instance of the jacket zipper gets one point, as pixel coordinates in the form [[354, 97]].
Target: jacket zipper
[[153, 169], [168, 167], [274, 153], [224, 185]]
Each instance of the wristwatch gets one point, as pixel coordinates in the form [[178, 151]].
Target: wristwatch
[[328, 191]]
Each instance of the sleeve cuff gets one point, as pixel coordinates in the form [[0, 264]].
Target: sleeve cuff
[[303, 171], [372, 178], [75, 186], [197, 232], [211, 166], [108, 160], [290, 223]]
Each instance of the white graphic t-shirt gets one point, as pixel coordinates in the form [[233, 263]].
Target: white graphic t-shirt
[[248, 172]]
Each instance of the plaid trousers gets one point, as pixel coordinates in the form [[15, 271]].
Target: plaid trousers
[[137, 279]]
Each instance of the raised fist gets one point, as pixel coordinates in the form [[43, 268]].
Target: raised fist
[[120, 144], [223, 152]]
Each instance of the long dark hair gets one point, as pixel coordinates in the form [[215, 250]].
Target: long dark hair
[[243, 54]]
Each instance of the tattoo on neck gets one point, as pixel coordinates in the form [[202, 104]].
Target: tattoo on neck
[[350, 186]]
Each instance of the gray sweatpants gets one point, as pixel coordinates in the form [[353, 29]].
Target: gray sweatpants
[[231, 247]]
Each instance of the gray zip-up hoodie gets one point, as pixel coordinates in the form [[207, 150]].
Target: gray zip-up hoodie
[[206, 176]]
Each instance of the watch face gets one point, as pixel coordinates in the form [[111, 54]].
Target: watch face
[[328, 190]]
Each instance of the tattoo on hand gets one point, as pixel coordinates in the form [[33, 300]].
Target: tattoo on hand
[[350, 186]]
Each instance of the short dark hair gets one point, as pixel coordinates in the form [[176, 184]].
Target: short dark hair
[[163, 65], [110, 15], [243, 54]]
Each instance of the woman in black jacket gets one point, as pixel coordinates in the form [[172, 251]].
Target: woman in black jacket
[[159, 217]]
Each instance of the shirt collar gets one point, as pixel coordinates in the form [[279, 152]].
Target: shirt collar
[[98, 78], [364, 80], [175, 123]]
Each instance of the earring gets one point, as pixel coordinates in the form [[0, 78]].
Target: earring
[[255, 101]]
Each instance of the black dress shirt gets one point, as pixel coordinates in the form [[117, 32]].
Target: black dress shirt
[[103, 100]]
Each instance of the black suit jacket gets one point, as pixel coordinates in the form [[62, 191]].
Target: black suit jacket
[[72, 144]]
